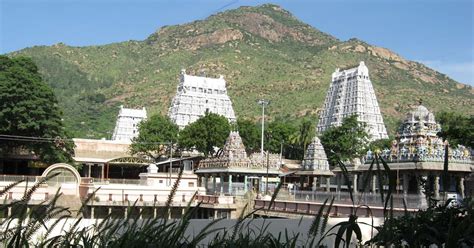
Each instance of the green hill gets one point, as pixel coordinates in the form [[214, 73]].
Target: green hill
[[262, 52]]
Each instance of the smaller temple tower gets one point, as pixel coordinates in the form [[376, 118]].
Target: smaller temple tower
[[315, 157], [195, 95], [126, 127]]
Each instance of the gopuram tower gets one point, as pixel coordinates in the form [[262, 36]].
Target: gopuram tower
[[195, 95], [351, 92]]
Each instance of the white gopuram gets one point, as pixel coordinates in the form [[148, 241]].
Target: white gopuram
[[126, 127], [351, 92], [195, 95]]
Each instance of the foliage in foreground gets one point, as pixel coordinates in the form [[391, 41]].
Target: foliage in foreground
[[438, 225]]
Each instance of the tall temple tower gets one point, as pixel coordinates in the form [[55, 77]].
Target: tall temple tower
[[196, 95], [126, 127], [351, 92]]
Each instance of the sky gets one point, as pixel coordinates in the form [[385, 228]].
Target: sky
[[438, 33]]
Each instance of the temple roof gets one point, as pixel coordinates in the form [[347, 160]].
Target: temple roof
[[420, 113], [129, 112], [205, 82]]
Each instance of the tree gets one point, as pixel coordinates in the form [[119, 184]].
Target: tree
[[302, 137], [381, 144], [250, 134], [155, 136], [457, 128], [204, 134], [279, 133], [345, 142], [28, 107]]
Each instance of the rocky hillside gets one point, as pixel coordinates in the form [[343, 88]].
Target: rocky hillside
[[262, 51]]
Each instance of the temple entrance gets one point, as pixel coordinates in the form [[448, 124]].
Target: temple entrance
[[68, 179]]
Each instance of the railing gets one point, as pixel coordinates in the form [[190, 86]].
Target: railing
[[116, 181], [360, 198], [311, 208], [16, 178], [214, 199], [238, 188]]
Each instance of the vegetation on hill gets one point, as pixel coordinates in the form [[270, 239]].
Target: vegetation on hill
[[262, 51]]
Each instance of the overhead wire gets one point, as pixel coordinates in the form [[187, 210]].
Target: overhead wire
[[47, 139]]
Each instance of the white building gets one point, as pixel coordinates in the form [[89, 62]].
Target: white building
[[351, 92], [126, 127], [195, 95]]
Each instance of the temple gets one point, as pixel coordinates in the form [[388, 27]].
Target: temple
[[416, 158], [126, 127], [195, 95], [233, 171], [351, 93], [315, 166]]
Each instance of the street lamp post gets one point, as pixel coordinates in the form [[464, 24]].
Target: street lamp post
[[264, 103]]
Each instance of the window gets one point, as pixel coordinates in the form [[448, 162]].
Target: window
[[191, 184], [160, 181]]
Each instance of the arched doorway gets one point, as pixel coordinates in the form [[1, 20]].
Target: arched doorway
[[68, 178]]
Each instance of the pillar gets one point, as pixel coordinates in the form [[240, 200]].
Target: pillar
[[374, 184], [140, 210], [230, 184], [205, 183], [213, 184], [125, 213], [110, 211], [328, 184], [301, 182], [436, 186], [245, 183], [354, 183], [92, 212], [313, 183], [222, 183], [338, 180], [420, 192], [461, 186], [154, 212], [406, 180], [419, 186]]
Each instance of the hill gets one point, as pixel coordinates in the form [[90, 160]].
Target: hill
[[262, 51]]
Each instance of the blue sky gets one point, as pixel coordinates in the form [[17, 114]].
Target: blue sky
[[435, 32]]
